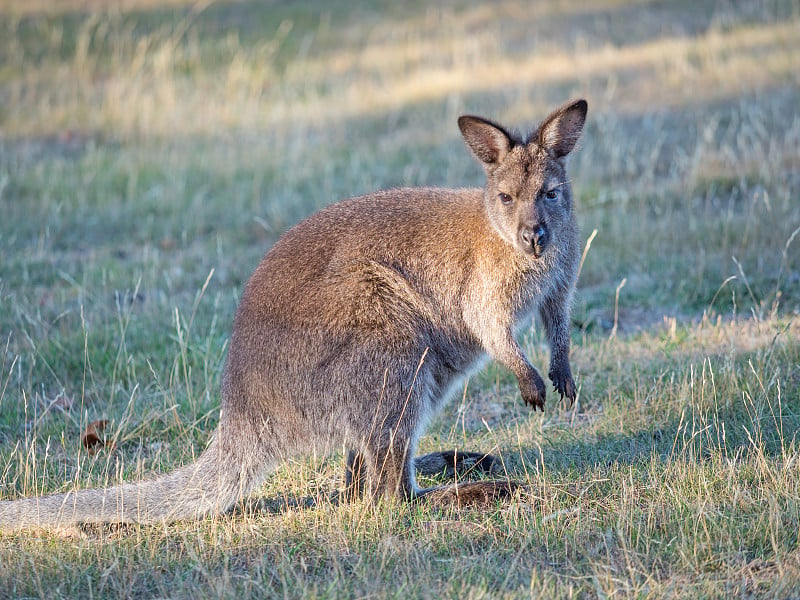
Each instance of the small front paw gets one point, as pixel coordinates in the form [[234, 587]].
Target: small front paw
[[533, 390], [563, 383]]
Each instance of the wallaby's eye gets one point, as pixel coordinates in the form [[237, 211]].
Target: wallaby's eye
[[505, 198], [552, 194]]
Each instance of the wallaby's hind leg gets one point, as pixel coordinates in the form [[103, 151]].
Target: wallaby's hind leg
[[355, 476], [447, 463], [389, 471], [393, 478], [477, 493]]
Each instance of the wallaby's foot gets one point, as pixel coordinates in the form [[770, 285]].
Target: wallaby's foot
[[533, 389], [563, 383], [450, 462], [473, 494], [447, 463]]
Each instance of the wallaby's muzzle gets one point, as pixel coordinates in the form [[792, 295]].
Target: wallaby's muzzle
[[534, 239]]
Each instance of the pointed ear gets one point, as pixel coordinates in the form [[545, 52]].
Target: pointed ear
[[488, 141], [561, 130]]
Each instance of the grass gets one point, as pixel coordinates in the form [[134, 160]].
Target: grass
[[150, 154]]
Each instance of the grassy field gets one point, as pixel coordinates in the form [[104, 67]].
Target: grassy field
[[150, 153]]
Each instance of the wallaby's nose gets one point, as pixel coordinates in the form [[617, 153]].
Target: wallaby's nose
[[535, 237], [539, 235]]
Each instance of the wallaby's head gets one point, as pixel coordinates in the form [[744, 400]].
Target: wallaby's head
[[528, 196]]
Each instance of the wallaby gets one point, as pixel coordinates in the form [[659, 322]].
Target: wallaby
[[363, 318]]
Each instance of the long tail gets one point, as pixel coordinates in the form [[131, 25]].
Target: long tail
[[209, 486]]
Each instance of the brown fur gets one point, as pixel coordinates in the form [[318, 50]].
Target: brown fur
[[357, 324]]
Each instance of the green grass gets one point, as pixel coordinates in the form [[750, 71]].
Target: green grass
[[150, 156]]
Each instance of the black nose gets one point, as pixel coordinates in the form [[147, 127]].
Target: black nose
[[535, 236], [539, 235]]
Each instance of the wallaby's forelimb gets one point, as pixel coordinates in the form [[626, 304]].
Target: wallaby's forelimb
[[555, 317]]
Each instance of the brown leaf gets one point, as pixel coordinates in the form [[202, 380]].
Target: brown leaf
[[92, 438]]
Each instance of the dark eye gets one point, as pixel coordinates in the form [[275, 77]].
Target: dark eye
[[552, 194], [505, 198]]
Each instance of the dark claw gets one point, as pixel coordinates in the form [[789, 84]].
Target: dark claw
[[564, 385], [533, 390]]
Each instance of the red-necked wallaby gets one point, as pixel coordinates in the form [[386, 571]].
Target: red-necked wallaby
[[360, 321]]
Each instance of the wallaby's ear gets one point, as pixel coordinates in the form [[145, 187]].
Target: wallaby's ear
[[561, 130], [488, 141]]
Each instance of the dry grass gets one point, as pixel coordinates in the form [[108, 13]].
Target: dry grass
[[146, 144]]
